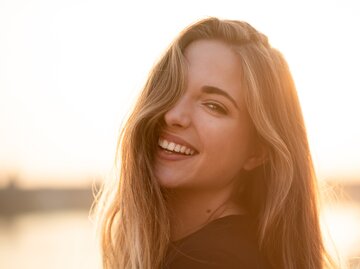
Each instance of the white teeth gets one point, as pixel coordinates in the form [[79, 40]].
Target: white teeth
[[183, 148], [164, 144], [177, 148], [171, 146]]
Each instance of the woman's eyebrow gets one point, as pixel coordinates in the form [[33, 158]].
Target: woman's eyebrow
[[215, 90]]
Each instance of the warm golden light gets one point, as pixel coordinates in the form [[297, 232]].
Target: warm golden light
[[69, 71], [340, 225], [66, 84]]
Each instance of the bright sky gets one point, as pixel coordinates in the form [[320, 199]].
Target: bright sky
[[70, 70]]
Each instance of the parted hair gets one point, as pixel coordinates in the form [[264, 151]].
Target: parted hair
[[281, 194]]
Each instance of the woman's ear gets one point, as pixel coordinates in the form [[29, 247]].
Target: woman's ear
[[258, 157]]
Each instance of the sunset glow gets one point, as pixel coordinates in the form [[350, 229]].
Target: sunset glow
[[70, 70]]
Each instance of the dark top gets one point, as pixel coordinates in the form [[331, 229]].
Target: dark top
[[227, 243]]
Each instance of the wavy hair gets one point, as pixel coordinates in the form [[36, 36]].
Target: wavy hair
[[281, 194]]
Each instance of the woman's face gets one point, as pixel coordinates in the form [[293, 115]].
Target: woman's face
[[208, 137]]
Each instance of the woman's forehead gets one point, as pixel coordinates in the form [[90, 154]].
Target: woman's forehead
[[214, 63]]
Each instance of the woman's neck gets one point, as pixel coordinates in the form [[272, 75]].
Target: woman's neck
[[190, 210]]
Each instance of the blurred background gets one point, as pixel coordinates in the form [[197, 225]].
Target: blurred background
[[70, 70]]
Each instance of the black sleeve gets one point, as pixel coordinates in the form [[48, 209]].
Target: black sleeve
[[226, 243], [206, 260]]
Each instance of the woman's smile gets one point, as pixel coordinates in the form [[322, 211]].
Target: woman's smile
[[208, 137], [173, 148]]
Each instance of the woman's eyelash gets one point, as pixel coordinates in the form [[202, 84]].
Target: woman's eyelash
[[216, 107]]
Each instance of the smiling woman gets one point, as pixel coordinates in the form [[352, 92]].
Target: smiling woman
[[215, 167], [203, 119]]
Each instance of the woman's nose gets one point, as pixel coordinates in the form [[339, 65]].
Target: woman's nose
[[179, 115]]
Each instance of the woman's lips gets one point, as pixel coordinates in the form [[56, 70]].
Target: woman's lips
[[171, 156], [177, 140], [169, 153]]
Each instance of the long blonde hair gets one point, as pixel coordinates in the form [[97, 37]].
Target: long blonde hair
[[281, 194]]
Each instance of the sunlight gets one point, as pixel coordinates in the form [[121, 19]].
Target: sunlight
[[70, 71], [340, 222]]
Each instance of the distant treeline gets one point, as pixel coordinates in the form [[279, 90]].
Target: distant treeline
[[14, 200]]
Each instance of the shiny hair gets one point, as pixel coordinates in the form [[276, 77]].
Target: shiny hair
[[281, 194]]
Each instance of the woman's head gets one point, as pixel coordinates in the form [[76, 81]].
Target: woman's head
[[261, 125], [209, 123], [265, 93]]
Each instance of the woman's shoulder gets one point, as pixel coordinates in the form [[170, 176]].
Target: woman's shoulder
[[227, 242]]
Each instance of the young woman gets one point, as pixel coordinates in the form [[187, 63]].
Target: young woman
[[215, 167]]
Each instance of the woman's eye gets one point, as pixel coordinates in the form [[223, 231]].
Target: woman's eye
[[216, 108]]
